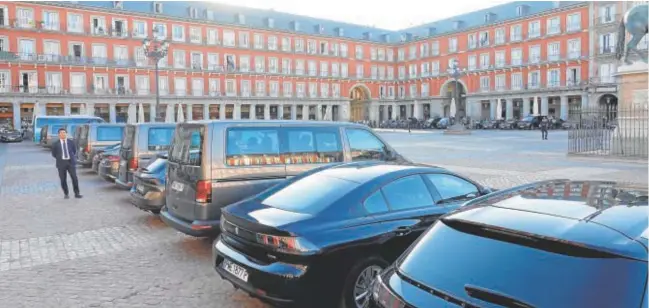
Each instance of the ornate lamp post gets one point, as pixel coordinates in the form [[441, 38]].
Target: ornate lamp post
[[456, 72], [156, 49]]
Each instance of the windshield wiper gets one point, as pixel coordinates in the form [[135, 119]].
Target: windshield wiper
[[495, 297]]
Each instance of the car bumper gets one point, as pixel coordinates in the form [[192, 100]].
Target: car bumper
[[122, 184], [84, 162], [204, 228], [278, 283], [105, 172], [148, 204]]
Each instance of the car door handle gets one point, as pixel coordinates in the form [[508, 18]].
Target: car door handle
[[401, 231]]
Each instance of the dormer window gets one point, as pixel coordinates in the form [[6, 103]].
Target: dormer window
[[386, 38], [193, 12], [432, 31], [521, 10], [367, 36], [241, 19], [489, 17], [319, 29], [340, 31], [295, 25], [118, 4], [157, 7], [409, 37], [270, 23], [458, 24]]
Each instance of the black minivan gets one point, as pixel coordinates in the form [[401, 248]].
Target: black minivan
[[216, 163]]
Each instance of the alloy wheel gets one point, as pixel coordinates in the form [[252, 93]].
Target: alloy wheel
[[362, 290]]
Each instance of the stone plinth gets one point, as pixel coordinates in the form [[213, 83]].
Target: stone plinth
[[630, 136]]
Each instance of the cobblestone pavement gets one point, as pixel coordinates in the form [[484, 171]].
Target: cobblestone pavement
[[100, 251]]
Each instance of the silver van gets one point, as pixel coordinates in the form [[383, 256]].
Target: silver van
[[141, 143], [92, 138], [216, 163]]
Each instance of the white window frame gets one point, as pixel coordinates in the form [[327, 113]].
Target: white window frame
[[573, 27]]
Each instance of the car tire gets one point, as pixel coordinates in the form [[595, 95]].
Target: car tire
[[362, 267]]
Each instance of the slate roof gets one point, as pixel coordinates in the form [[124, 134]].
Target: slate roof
[[258, 18]]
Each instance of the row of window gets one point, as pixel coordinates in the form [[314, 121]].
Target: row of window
[[242, 39], [483, 38], [534, 80]]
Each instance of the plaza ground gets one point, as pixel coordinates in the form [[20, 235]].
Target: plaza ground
[[100, 251]]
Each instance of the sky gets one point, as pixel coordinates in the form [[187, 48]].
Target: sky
[[389, 15]]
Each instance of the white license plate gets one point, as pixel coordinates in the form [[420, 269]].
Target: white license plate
[[140, 188], [177, 186], [235, 270]]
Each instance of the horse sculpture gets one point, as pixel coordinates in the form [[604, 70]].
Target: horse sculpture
[[636, 22]]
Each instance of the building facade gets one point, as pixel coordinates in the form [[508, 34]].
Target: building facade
[[235, 63], [606, 18]]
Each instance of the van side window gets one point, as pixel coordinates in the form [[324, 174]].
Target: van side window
[[312, 146], [364, 145], [256, 146], [160, 138], [107, 133]]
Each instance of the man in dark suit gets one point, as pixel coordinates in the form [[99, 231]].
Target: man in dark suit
[[65, 152]]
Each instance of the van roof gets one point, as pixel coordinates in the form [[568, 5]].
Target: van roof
[[153, 124], [105, 124], [281, 122]]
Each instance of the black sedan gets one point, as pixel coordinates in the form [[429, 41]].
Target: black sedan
[[320, 238], [11, 136], [545, 244]]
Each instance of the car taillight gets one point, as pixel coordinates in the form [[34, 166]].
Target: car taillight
[[204, 191], [132, 164], [88, 148], [287, 244], [384, 297]]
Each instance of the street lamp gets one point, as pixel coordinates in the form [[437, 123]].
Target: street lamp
[[456, 72], [156, 49]]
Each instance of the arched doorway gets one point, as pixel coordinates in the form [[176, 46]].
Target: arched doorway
[[448, 91], [608, 106], [360, 103]]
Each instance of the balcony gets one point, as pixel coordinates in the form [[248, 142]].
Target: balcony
[[553, 30], [605, 81], [25, 23], [606, 50]]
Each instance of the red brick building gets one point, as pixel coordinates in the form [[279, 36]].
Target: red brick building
[[227, 62]]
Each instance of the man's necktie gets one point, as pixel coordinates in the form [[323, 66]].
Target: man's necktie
[[65, 150]]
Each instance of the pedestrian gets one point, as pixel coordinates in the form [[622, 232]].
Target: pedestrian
[[544, 128], [65, 153]]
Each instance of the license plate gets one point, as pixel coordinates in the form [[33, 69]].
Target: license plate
[[140, 188], [235, 270], [177, 186]]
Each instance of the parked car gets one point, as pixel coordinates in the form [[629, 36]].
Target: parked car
[[93, 137], [11, 136], [337, 226], [530, 122], [141, 143], [443, 123], [109, 164], [546, 244], [216, 163], [96, 160], [148, 192]]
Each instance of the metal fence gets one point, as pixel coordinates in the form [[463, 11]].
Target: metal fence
[[609, 131]]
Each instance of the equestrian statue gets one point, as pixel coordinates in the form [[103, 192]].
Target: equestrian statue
[[636, 21]]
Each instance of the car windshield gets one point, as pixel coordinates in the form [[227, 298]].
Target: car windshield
[[309, 195], [157, 165], [533, 272]]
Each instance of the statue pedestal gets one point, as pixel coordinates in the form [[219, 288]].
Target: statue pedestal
[[630, 137]]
